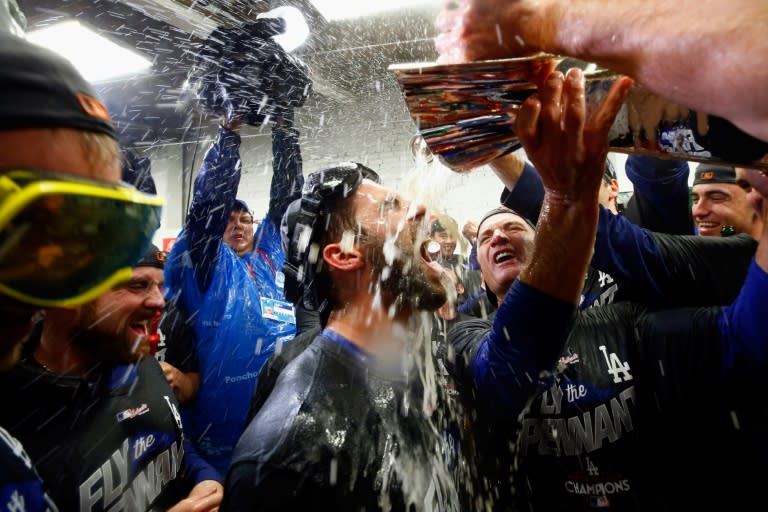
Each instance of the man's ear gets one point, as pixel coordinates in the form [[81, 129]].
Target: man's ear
[[337, 258], [614, 189]]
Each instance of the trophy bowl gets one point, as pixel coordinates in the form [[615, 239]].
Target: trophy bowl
[[465, 113]]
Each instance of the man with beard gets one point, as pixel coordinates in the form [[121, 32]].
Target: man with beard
[[53, 129], [336, 432], [95, 412], [326, 449]]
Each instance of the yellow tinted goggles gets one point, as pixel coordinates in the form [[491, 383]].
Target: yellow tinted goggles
[[66, 240]]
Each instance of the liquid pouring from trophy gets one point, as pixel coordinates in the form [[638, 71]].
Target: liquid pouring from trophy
[[466, 112]]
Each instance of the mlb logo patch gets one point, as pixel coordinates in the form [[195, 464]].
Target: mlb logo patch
[[132, 412]]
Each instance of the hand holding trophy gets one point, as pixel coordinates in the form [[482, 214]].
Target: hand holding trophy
[[465, 108]]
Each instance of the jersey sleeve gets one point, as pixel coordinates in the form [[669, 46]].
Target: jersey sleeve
[[214, 196]]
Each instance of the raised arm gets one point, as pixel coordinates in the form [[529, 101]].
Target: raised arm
[[659, 43], [287, 175], [534, 319], [671, 270], [215, 191], [523, 190]]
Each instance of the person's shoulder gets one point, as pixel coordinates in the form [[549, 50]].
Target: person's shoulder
[[470, 325], [275, 427]]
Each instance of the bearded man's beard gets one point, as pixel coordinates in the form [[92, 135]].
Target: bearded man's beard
[[405, 280], [111, 348]]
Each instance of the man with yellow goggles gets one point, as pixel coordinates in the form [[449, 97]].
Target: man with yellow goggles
[[68, 233], [69, 230]]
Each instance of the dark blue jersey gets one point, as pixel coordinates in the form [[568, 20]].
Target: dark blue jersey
[[20, 486]]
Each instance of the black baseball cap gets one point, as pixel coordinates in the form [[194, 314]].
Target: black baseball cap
[[709, 173], [40, 89], [152, 257]]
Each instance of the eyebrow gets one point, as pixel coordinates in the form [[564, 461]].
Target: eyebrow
[[515, 221]]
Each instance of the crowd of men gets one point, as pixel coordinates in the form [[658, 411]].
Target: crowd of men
[[301, 370]]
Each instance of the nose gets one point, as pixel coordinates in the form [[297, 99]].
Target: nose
[[498, 234], [154, 298], [699, 208]]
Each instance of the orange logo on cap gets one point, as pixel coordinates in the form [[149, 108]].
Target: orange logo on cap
[[707, 175], [93, 107]]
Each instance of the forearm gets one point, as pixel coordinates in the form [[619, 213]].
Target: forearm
[[660, 194], [287, 175], [215, 191], [743, 327], [526, 339], [671, 270], [632, 255], [670, 48], [196, 469], [564, 240], [525, 194]]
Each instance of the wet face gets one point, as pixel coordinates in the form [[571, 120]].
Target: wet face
[[394, 241], [504, 243], [716, 205], [60, 150], [115, 327], [239, 232], [447, 242]]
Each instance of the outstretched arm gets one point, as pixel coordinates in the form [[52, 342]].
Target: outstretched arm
[[745, 340], [215, 191], [287, 175], [569, 151], [661, 44]]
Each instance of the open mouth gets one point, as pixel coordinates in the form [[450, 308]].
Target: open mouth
[[708, 227], [140, 328], [502, 256], [431, 266]]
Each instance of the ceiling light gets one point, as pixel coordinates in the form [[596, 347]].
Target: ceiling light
[[296, 28], [96, 57], [335, 10]]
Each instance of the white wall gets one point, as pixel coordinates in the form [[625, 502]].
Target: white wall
[[375, 131]]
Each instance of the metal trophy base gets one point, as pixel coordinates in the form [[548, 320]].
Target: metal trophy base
[[466, 112]]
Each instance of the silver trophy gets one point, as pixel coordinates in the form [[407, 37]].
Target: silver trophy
[[466, 112]]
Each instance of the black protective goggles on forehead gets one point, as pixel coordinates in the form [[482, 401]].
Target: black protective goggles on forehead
[[66, 240], [300, 227]]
